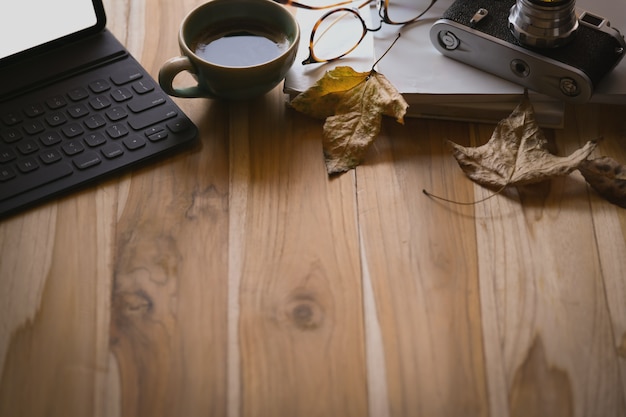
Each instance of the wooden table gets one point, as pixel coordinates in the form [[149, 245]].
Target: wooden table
[[237, 279]]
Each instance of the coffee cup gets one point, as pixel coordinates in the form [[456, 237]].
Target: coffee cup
[[235, 49]]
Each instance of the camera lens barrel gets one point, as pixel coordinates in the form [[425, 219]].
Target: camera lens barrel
[[543, 23], [550, 3]]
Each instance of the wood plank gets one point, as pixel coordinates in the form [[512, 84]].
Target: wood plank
[[169, 312], [300, 325], [420, 256], [609, 221], [55, 283], [169, 315], [547, 323], [56, 293]]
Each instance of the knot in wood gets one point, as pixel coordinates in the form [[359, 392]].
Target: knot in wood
[[132, 303], [305, 313]]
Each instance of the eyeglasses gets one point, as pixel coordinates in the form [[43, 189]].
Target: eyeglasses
[[339, 31]]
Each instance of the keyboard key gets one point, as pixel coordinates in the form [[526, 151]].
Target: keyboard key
[[152, 116], [143, 87], [117, 131], [99, 86], [34, 127], [34, 110], [100, 102], [121, 94], [56, 102], [6, 173], [116, 113], [50, 138], [134, 142], [50, 156], [11, 118], [11, 135], [155, 137], [78, 94], [87, 160], [154, 129], [126, 76], [179, 124], [28, 146], [146, 102], [78, 110], [27, 165], [56, 119], [73, 130], [34, 179], [95, 121], [112, 150], [7, 155], [72, 147], [95, 139]]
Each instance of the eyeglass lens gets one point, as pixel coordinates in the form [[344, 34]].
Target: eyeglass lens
[[337, 34], [404, 11], [340, 31]]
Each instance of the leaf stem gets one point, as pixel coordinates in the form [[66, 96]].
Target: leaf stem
[[465, 203], [387, 51]]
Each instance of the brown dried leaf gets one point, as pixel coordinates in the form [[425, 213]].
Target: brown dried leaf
[[353, 104], [607, 177], [517, 153]]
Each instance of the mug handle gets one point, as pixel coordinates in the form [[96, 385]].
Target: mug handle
[[170, 70]]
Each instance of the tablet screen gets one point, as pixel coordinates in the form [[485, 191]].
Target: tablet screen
[[27, 24]]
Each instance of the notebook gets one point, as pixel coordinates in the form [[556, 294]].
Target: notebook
[[75, 106]]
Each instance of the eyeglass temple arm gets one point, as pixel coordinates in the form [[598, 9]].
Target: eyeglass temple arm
[[304, 6]]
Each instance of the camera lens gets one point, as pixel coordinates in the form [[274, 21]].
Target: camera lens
[[543, 23], [550, 2]]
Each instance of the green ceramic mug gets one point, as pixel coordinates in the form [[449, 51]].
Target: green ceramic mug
[[235, 49]]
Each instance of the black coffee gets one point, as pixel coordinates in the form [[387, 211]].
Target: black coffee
[[246, 46]]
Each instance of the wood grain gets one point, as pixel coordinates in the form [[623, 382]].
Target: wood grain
[[420, 256], [55, 349], [544, 291], [237, 279], [300, 324]]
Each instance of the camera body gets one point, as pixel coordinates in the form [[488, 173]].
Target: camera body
[[478, 33]]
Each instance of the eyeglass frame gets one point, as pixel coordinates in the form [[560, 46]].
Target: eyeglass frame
[[383, 13]]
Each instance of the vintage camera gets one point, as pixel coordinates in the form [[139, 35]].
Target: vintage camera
[[545, 45]]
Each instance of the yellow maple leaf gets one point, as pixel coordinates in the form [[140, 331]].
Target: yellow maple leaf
[[353, 104]]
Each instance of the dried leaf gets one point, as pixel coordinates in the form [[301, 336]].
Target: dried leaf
[[517, 153], [607, 177], [321, 99], [353, 104]]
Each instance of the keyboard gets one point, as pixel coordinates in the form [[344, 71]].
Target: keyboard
[[64, 136]]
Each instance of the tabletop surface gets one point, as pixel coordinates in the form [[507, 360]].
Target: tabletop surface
[[237, 279]]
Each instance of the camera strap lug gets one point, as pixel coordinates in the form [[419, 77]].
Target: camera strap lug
[[478, 16]]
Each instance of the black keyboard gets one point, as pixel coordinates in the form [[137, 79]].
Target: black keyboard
[[81, 129]]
